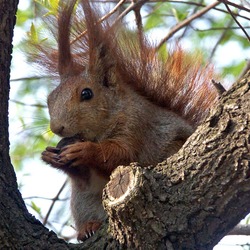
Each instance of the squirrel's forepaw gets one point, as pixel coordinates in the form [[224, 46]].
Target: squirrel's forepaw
[[88, 229], [73, 154], [51, 156]]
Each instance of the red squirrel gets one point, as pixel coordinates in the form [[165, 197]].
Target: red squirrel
[[117, 102]]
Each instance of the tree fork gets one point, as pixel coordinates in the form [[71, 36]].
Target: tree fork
[[185, 202]]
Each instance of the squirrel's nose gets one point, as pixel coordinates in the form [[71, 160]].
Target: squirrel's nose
[[57, 129]]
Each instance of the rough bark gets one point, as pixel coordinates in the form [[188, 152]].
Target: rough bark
[[188, 202], [195, 197]]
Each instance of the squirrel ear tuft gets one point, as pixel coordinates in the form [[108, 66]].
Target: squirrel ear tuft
[[64, 56], [67, 64], [97, 43], [100, 42]]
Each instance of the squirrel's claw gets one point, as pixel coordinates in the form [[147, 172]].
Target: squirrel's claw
[[52, 158], [71, 154], [58, 158], [53, 150], [88, 229]]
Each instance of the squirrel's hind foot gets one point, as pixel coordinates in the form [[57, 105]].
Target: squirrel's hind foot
[[88, 229]]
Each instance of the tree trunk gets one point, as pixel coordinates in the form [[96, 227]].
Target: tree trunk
[[18, 228], [188, 202]]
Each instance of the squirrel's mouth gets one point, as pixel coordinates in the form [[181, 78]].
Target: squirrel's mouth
[[84, 137], [70, 140], [78, 136]]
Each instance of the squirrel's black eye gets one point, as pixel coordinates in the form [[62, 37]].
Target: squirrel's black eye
[[86, 94]]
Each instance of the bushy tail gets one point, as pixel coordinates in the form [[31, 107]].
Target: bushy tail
[[180, 82]]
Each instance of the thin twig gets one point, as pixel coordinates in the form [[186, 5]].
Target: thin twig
[[31, 78], [221, 28], [184, 2], [42, 198], [131, 7], [240, 7], [120, 3], [30, 105], [100, 20], [235, 19], [202, 5], [53, 202], [186, 22], [192, 13]]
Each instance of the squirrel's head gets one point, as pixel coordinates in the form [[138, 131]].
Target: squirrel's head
[[88, 95], [85, 105]]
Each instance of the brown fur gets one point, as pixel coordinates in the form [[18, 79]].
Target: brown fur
[[141, 109]]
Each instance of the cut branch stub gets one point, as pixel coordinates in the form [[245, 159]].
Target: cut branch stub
[[129, 204], [123, 181]]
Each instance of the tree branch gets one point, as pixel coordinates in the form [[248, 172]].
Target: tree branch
[[187, 200], [56, 198], [240, 7], [231, 13], [186, 22], [240, 230]]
